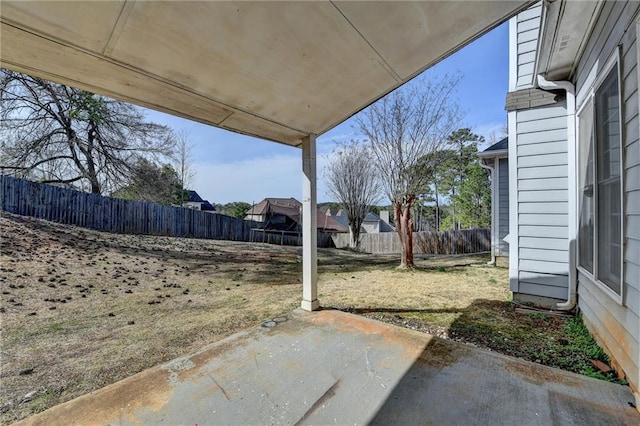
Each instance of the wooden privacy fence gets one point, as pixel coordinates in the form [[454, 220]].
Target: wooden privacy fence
[[116, 215], [447, 242], [287, 238]]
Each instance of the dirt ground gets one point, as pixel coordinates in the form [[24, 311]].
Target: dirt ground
[[81, 309]]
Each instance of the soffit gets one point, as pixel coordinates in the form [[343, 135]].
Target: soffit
[[566, 27], [275, 70]]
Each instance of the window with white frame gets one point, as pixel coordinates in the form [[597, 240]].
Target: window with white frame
[[599, 181]]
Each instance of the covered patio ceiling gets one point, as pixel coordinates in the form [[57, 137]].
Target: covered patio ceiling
[[276, 70]]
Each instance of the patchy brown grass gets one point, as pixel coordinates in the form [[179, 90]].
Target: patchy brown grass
[[81, 309]]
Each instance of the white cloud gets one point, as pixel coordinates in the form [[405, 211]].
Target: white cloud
[[253, 179]]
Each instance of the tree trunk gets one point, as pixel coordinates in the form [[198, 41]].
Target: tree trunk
[[355, 223], [437, 210], [404, 227], [354, 238]]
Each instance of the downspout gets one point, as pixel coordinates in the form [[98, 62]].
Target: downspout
[[569, 88], [491, 169]]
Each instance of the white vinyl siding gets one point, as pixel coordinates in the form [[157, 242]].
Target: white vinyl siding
[[503, 206], [542, 203], [544, 243], [542, 172], [616, 324], [544, 207], [547, 135], [527, 30]]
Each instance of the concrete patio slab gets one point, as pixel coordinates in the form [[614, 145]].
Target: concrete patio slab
[[329, 367]]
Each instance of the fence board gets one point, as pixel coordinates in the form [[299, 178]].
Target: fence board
[[463, 241], [116, 215]]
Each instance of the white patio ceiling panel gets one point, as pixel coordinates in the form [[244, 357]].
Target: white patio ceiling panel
[[276, 70]]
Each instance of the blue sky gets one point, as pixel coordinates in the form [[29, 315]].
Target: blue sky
[[232, 167]]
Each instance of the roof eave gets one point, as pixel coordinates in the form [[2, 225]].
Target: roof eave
[[564, 32], [499, 153]]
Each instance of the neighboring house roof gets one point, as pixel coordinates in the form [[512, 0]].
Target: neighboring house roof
[[283, 206], [291, 208], [371, 217], [331, 223], [194, 197], [341, 219], [206, 206], [498, 149], [329, 211]]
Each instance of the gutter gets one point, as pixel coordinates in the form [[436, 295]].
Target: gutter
[[569, 88], [491, 169], [498, 153]]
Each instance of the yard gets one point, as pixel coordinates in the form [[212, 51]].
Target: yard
[[81, 309]]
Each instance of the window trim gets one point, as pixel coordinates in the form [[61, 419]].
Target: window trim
[[587, 96]]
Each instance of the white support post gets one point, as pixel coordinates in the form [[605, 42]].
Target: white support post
[[309, 226]]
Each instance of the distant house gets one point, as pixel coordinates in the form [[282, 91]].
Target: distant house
[[285, 214], [495, 159], [574, 179], [281, 214], [195, 202], [372, 223], [328, 223]]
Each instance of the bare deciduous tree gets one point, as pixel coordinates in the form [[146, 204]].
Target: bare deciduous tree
[[184, 163], [402, 128], [352, 179], [58, 134]]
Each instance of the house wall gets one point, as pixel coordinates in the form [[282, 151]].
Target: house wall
[[503, 206], [256, 217], [526, 32], [538, 176], [615, 324], [541, 208], [192, 205], [371, 227]]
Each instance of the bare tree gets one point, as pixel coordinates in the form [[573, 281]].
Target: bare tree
[[184, 163], [497, 135], [58, 134], [402, 128], [352, 179]]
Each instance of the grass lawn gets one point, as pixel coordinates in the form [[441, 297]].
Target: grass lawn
[[81, 309]]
